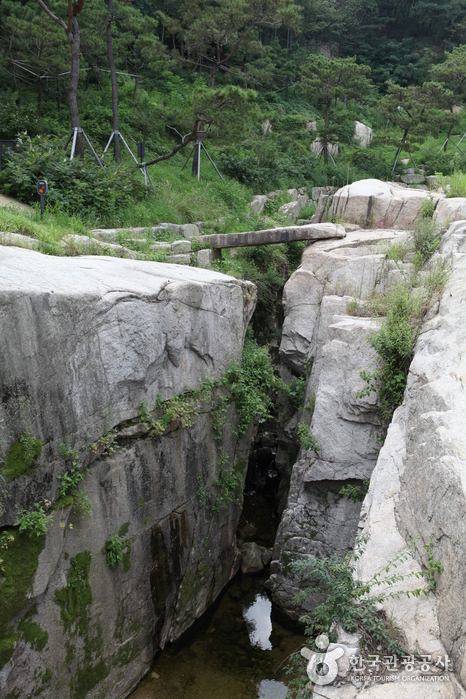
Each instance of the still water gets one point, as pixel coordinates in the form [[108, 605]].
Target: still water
[[239, 653], [238, 650]]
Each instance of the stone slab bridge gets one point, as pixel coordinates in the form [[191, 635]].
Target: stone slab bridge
[[288, 234]]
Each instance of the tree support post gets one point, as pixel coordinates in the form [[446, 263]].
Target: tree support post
[[75, 131]]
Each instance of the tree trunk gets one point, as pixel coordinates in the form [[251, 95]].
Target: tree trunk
[[113, 77], [405, 136], [449, 130], [74, 38], [39, 96], [213, 76], [13, 64], [135, 89], [327, 111]]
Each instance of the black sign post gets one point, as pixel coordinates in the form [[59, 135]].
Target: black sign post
[[42, 190]]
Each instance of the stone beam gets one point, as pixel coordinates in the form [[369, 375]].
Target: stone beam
[[312, 231]]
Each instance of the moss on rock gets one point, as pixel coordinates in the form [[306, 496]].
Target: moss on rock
[[20, 456], [31, 631], [20, 561], [74, 599]]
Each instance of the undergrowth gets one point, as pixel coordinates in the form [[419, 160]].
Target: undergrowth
[[353, 604], [403, 307]]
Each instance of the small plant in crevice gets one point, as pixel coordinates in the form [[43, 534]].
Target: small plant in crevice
[[5, 540], [353, 308], [106, 444], [144, 412], [355, 493], [433, 567], [427, 237], [117, 549], [295, 391], [251, 383], [34, 522], [307, 366], [307, 440], [70, 480], [82, 505], [227, 486]]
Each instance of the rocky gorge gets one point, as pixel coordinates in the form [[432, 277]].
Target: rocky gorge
[[90, 344]]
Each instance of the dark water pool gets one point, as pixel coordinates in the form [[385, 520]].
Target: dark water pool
[[237, 653], [239, 649]]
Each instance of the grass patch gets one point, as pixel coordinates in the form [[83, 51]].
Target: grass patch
[[454, 185]]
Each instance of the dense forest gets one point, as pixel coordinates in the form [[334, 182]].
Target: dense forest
[[260, 79]]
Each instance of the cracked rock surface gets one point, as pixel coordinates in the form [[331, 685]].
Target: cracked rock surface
[[84, 341], [375, 203]]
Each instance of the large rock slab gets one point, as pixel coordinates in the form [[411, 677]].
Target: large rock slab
[[450, 210], [375, 204], [350, 267], [418, 490], [318, 520], [85, 340]]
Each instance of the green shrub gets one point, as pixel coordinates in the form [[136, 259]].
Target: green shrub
[[353, 308], [74, 186], [427, 237], [71, 479], [306, 439], [404, 307], [33, 522], [251, 383], [264, 167], [427, 208], [116, 548], [355, 493], [394, 343], [457, 183], [294, 391], [353, 603]]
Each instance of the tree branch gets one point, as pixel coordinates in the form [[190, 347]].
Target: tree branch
[[240, 41], [184, 142], [52, 16]]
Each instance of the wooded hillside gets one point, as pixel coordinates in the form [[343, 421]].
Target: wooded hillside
[[263, 79]]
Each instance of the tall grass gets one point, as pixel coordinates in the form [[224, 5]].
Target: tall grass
[[454, 185]]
